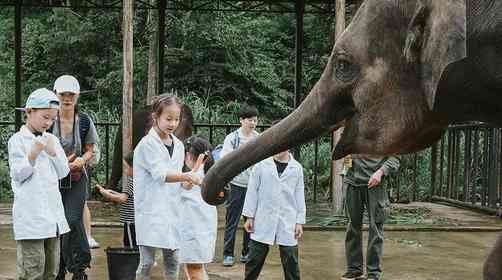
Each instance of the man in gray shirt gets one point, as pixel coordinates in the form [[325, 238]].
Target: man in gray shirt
[[238, 186]]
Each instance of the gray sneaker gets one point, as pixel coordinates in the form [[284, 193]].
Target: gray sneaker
[[244, 258], [228, 261], [353, 276]]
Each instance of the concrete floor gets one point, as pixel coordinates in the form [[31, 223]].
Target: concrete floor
[[408, 255]]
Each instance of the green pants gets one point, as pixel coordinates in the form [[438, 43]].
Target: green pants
[[376, 202], [258, 253], [37, 259]]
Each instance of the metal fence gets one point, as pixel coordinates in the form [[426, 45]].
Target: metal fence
[[467, 167], [464, 167]]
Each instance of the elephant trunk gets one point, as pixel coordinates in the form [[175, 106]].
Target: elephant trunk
[[309, 121]]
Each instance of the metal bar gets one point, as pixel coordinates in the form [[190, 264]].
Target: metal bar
[[475, 165], [484, 190], [107, 151], [433, 170], [316, 162], [441, 172], [485, 209], [18, 29], [414, 183], [492, 169], [467, 165], [456, 180], [161, 30], [449, 174]]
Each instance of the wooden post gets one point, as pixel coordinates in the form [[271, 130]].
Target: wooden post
[[337, 166], [18, 58], [127, 95], [153, 28], [162, 5], [300, 9]]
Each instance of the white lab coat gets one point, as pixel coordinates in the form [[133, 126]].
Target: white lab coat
[[157, 203], [199, 227], [276, 203], [37, 211]]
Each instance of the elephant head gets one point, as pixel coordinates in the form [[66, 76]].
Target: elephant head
[[380, 81]]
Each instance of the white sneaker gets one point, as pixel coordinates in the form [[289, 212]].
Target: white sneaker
[[92, 243]]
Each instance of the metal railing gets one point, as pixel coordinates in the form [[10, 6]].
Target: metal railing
[[464, 167], [467, 167]]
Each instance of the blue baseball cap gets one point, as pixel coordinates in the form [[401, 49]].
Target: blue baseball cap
[[41, 98]]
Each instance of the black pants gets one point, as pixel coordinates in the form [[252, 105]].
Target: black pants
[[258, 253], [233, 215], [75, 252], [132, 231]]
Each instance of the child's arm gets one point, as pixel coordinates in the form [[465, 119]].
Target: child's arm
[[300, 200], [20, 166], [251, 200], [57, 156], [301, 209], [113, 195], [145, 158]]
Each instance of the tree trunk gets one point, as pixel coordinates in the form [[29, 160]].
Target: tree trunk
[[337, 166], [127, 95], [152, 54]]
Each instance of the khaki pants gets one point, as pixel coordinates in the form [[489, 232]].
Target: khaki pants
[[37, 259]]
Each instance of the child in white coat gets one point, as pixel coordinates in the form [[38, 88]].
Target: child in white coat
[[37, 161], [158, 163], [199, 228], [275, 211]]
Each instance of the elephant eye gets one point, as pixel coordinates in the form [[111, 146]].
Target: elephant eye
[[344, 70]]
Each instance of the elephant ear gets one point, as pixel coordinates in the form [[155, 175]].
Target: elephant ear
[[436, 37]]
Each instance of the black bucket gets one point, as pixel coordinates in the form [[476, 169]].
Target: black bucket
[[122, 263]]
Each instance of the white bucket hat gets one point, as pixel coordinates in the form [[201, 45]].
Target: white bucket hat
[[67, 83]]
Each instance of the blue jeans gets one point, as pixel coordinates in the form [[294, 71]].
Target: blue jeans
[[235, 204]]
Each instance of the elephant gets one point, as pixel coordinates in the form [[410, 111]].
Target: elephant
[[399, 74], [142, 122]]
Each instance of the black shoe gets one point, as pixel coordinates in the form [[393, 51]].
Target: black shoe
[[79, 276], [61, 276], [353, 276]]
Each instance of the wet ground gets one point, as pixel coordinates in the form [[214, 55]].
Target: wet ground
[[414, 255]]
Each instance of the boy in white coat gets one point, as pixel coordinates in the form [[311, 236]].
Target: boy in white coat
[[275, 211], [37, 161]]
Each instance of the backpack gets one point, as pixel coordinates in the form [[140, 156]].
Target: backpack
[[235, 144]]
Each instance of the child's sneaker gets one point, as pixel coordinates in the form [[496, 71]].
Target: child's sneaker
[[353, 276], [228, 261], [93, 244], [244, 258]]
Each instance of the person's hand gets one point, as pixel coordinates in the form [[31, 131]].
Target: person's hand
[[39, 144], [298, 231], [375, 179], [192, 178], [100, 188], [77, 164], [187, 185], [49, 146], [249, 225]]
